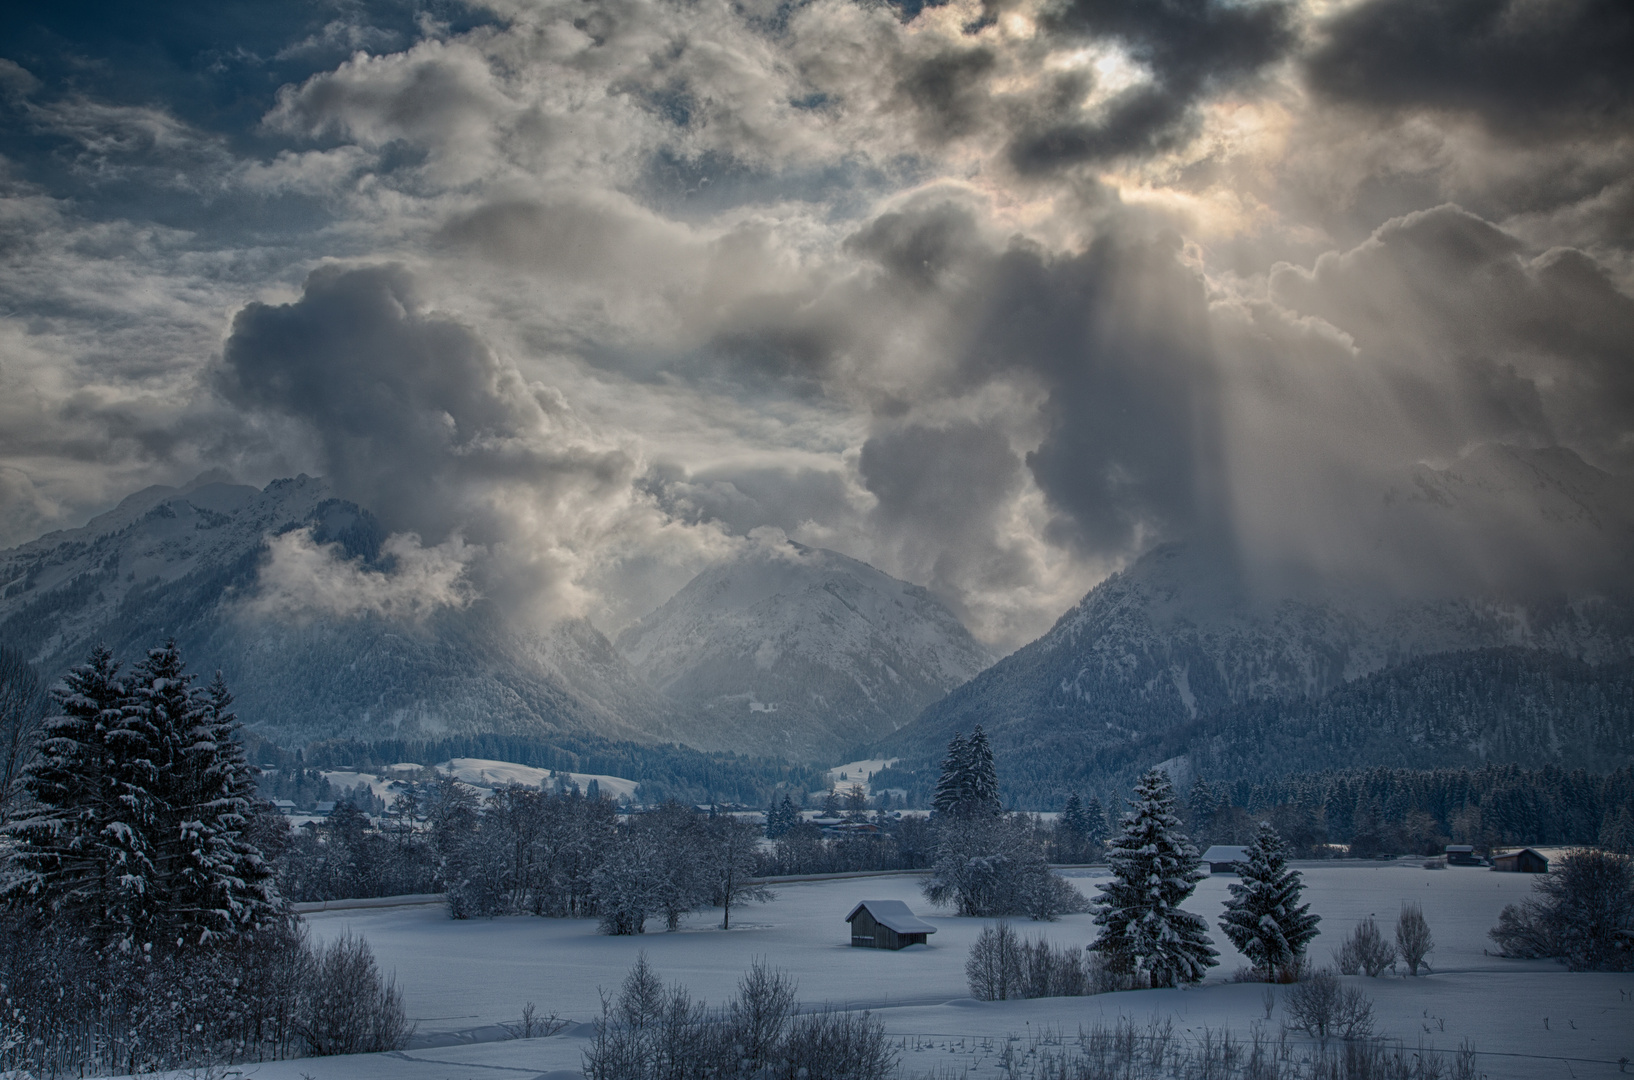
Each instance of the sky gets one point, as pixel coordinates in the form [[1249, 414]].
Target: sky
[[582, 296]]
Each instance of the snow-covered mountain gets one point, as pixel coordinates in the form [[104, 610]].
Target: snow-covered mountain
[[1178, 636], [188, 562], [799, 652]]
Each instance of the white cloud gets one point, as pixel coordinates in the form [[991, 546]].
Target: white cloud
[[303, 579]]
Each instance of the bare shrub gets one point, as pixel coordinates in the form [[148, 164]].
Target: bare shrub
[[830, 1045], [348, 1008], [995, 970], [1524, 931], [1413, 940], [533, 1026], [760, 1016], [1003, 966], [1323, 1007], [650, 1032], [1365, 951]]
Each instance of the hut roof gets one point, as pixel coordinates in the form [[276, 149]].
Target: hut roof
[[1225, 853], [895, 915]]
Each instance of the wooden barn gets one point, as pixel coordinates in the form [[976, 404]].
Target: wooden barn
[[1223, 858], [886, 924], [1524, 861], [1462, 855]]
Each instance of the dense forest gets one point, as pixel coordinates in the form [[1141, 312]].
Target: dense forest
[[1452, 710]]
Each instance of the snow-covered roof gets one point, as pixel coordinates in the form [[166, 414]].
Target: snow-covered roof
[[1227, 853], [895, 915]]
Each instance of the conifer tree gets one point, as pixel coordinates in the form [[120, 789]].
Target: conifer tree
[[981, 786], [1264, 917], [950, 785], [1144, 932], [83, 850], [1073, 817], [1095, 822]]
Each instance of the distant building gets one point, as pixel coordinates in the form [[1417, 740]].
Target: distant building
[[1524, 861], [1461, 855], [1223, 858], [324, 809], [886, 924], [285, 806]]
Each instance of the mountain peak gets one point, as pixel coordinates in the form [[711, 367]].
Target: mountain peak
[[799, 651]]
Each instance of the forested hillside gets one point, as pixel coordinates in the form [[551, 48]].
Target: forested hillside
[[1462, 709]]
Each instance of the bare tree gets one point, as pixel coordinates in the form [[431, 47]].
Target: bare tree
[[996, 968], [22, 711], [732, 863], [1323, 1007], [1413, 940]]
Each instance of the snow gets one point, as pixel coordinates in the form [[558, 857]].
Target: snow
[[486, 773], [467, 976], [858, 772], [347, 780]]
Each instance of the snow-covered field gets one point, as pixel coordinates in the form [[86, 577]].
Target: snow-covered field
[[859, 773], [1526, 1019]]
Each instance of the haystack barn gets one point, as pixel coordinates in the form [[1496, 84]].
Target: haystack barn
[[1524, 861], [1223, 858], [886, 924]]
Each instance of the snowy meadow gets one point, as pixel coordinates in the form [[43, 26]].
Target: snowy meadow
[[466, 983]]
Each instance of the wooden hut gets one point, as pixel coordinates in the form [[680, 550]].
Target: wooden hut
[[1524, 861], [1461, 855], [886, 924], [1223, 858]]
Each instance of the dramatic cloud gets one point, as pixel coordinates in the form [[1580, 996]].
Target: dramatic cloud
[[302, 579], [994, 294], [1539, 70]]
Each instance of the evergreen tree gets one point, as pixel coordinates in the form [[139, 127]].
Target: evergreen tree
[[981, 786], [1074, 818], [1154, 869], [1095, 828], [224, 885], [969, 783], [950, 786], [83, 851], [1264, 917]]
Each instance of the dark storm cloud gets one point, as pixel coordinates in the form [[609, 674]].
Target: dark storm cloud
[[947, 90], [946, 480], [919, 246], [1116, 335], [412, 413], [1191, 48], [1531, 69]]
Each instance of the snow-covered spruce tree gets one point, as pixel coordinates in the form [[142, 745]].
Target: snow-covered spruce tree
[[1144, 932], [83, 849], [982, 785], [1264, 917], [950, 791], [968, 786], [208, 879]]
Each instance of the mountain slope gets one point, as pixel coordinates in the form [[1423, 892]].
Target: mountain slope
[[800, 652], [186, 562], [1175, 639]]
